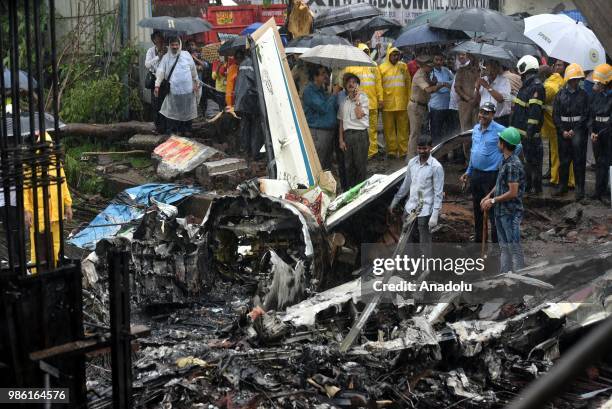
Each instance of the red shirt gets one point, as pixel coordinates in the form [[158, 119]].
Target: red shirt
[[413, 67]]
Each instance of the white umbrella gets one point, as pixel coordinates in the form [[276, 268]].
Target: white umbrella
[[563, 38], [336, 56]]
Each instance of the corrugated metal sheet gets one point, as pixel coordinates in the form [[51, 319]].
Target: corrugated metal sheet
[[68, 10], [140, 9]]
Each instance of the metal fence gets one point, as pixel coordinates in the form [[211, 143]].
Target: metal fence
[[32, 178]]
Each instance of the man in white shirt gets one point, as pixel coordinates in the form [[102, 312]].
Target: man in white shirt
[[353, 124], [495, 88], [424, 180], [152, 60], [180, 106]]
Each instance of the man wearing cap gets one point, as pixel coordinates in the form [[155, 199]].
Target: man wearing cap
[[424, 180], [422, 88], [353, 111], [506, 200], [571, 115], [371, 85], [396, 83], [528, 117], [496, 89], [601, 128], [483, 166]]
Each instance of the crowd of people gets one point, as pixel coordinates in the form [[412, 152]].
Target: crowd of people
[[421, 100]]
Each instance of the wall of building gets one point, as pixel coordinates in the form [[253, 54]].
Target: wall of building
[[70, 12], [534, 6]]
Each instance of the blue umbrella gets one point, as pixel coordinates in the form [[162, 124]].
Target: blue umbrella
[[23, 80], [251, 29], [423, 35]]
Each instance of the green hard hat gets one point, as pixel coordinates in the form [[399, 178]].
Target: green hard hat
[[511, 135]]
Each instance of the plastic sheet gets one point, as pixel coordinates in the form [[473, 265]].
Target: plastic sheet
[[126, 207]]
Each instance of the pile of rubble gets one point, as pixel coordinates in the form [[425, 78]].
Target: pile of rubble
[[250, 308]]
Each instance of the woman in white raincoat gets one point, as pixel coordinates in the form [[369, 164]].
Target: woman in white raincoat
[[180, 106]]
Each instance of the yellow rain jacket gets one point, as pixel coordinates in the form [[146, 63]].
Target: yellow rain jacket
[[28, 195], [370, 83], [396, 84], [552, 85]]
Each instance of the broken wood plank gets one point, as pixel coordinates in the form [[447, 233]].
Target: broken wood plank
[[85, 345]]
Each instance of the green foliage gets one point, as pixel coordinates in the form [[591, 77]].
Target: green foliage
[[140, 162], [21, 27], [99, 101], [98, 93], [81, 175]]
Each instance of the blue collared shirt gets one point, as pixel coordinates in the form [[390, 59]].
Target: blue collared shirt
[[441, 98], [485, 154], [319, 107]]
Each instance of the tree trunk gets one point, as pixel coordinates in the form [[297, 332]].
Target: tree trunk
[[120, 130], [221, 128]]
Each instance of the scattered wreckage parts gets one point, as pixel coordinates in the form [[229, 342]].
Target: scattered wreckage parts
[[266, 243]]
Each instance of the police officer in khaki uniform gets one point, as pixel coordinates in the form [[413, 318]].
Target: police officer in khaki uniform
[[422, 88]]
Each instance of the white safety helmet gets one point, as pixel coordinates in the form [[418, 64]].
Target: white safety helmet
[[528, 62]]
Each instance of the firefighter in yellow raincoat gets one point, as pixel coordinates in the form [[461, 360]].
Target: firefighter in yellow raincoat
[[396, 84], [371, 85], [54, 213], [552, 85]]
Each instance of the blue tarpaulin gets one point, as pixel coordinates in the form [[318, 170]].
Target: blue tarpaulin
[[127, 206]]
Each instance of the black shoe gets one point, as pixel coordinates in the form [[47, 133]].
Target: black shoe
[[560, 192], [595, 196]]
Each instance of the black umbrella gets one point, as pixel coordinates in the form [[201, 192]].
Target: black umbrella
[[365, 28], [301, 44], [475, 20], [486, 52], [182, 25], [517, 43], [423, 35], [345, 14], [25, 123], [229, 47]]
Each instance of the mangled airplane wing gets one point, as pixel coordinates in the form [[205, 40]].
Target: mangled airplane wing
[[295, 157]]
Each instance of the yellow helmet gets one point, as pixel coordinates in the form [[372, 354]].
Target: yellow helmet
[[573, 71], [602, 73], [363, 47]]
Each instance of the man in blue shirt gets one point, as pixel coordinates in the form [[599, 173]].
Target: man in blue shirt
[[485, 158], [439, 114], [320, 109]]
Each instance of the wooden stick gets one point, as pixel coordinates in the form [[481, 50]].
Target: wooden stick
[[485, 229]]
